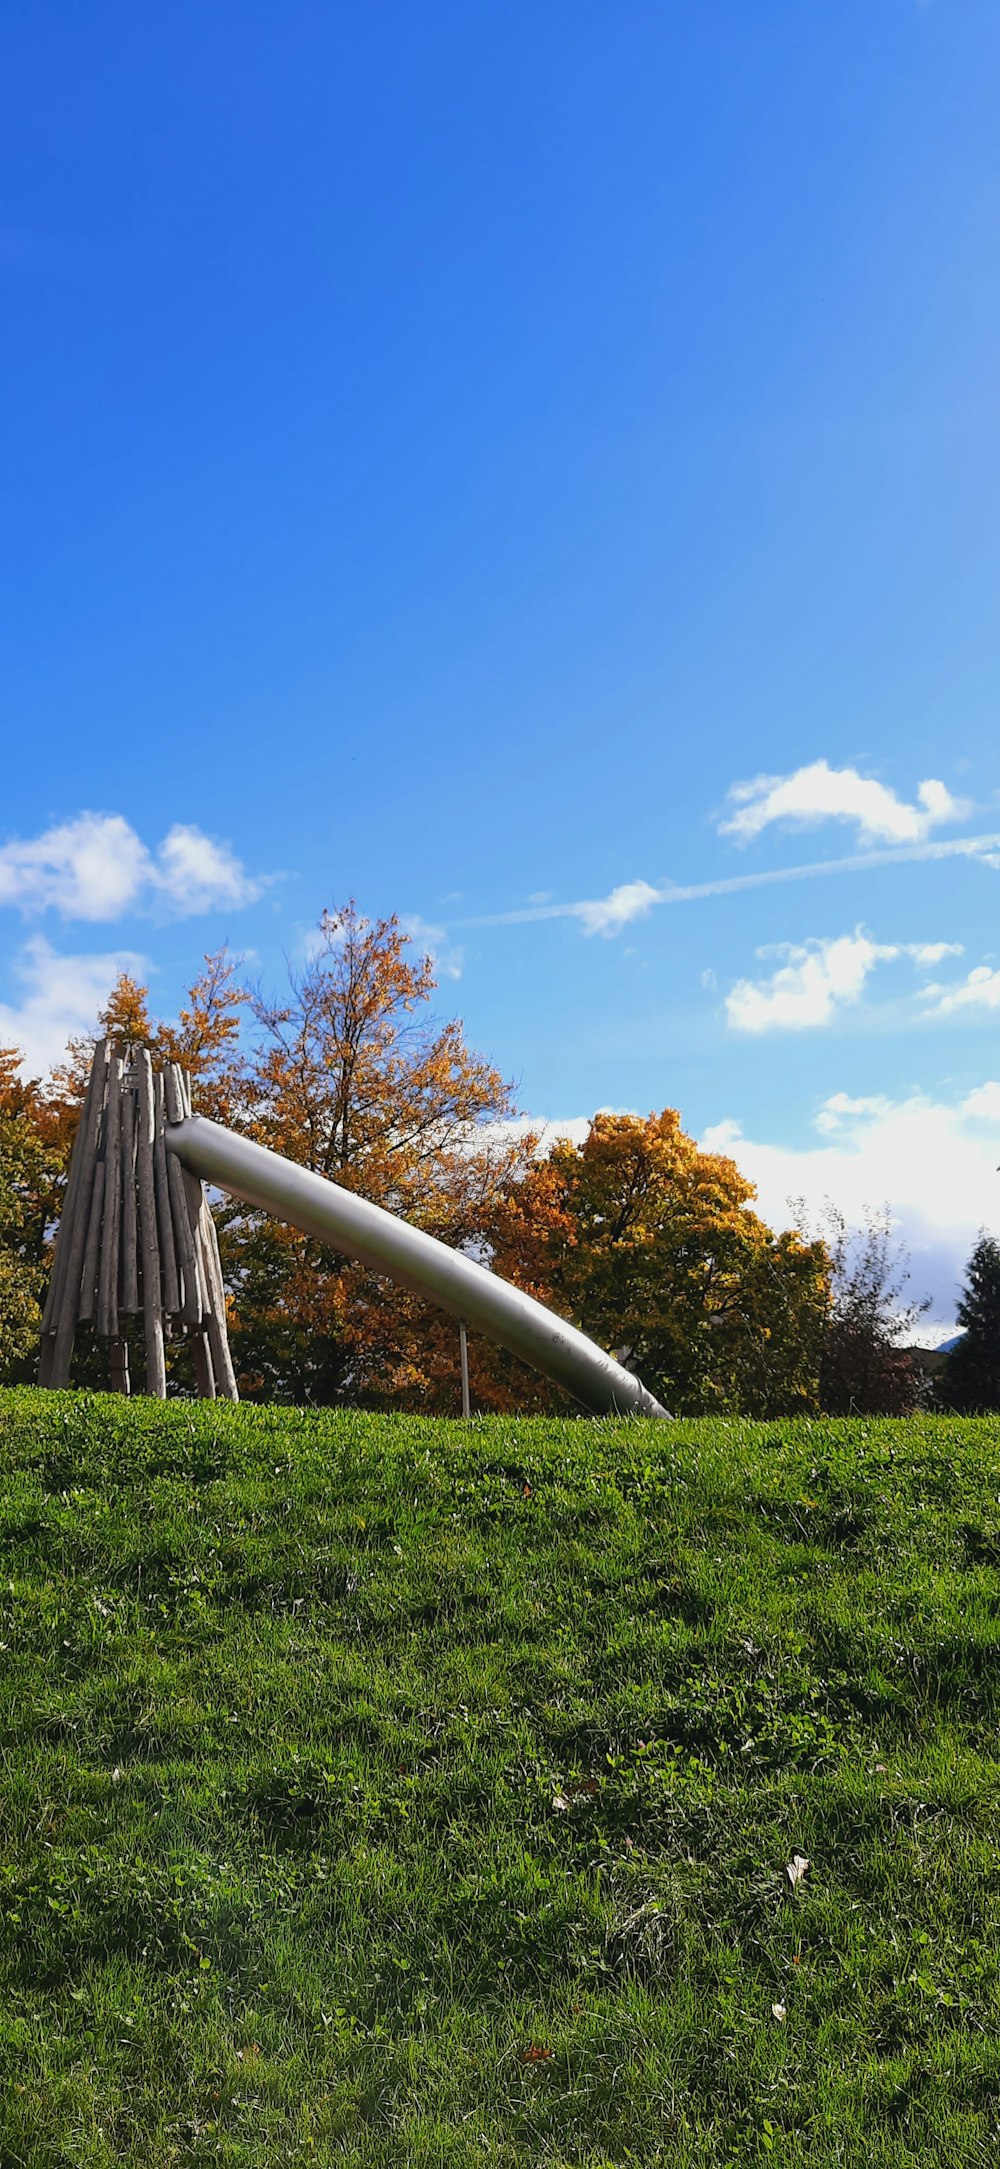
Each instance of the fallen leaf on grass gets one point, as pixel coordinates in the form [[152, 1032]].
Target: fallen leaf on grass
[[780, 2012], [577, 1788], [534, 2053], [797, 1867]]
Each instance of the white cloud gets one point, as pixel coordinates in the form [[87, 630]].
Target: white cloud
[[819, 979], [840, 1104], [928, 953], [981, 990], [608, 914], [818, 793], [96, 867], [89, 868], [62, 998], [194, 873], [934, 1164], [983, 1105], [550, 1130]]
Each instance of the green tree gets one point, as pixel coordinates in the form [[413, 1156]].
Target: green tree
[[865, 1371], [972, 1374]]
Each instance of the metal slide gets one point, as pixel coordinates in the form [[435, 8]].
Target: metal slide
[[417, 1261]]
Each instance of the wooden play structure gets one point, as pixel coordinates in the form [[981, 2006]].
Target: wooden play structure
[[136, 1237]]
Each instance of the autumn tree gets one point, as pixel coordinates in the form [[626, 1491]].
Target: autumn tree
[[650, 1245], [353, 1075], [206, 1039], [30, 1190]]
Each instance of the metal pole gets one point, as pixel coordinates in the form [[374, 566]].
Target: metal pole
[[463, 1343], [416, 1260]]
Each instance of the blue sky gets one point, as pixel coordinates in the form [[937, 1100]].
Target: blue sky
[[451, 456]]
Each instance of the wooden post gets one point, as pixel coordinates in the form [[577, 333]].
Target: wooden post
[[129, 1298], [191, 1303], [119, 1367], [107, 1293], [225, 1376], [156, 1375], [204, 1376], [77, 1233], [185, 1199], [177, 1089], [164, 1216], [92, 1253], [463, 1346], [79, 1167]]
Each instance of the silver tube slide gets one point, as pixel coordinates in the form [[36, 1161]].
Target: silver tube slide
[[417, 1261]]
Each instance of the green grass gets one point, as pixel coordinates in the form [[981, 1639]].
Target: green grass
[[394, 1792]]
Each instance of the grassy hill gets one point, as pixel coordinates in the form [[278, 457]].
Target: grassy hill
[[392, 1792]]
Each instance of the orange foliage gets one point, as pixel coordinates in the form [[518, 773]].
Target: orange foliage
[[651, 1246], [352, 1075]]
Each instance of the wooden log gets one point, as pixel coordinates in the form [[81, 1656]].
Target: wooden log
[[173, 1093], [186, 1200], [194, 1198], [78, 1161], [192, 1306], [207, 1248], [156, 1375], [169, 1280], [60, 1356], [119, 1367], [225, 1376], [129, 1297], [107, 1292], [87, 1294], [204, 1376]]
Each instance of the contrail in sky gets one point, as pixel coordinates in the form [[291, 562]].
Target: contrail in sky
[[640, 896]]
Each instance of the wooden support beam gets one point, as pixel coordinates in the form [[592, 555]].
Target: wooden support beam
[[164, 1217], [79, 1167], [178, 1088], [204, 1376], [76, 1234], [128, 1300], [225, 1376], [119, 1367], [152, 1309], [107, 1292], [87, 1290]]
